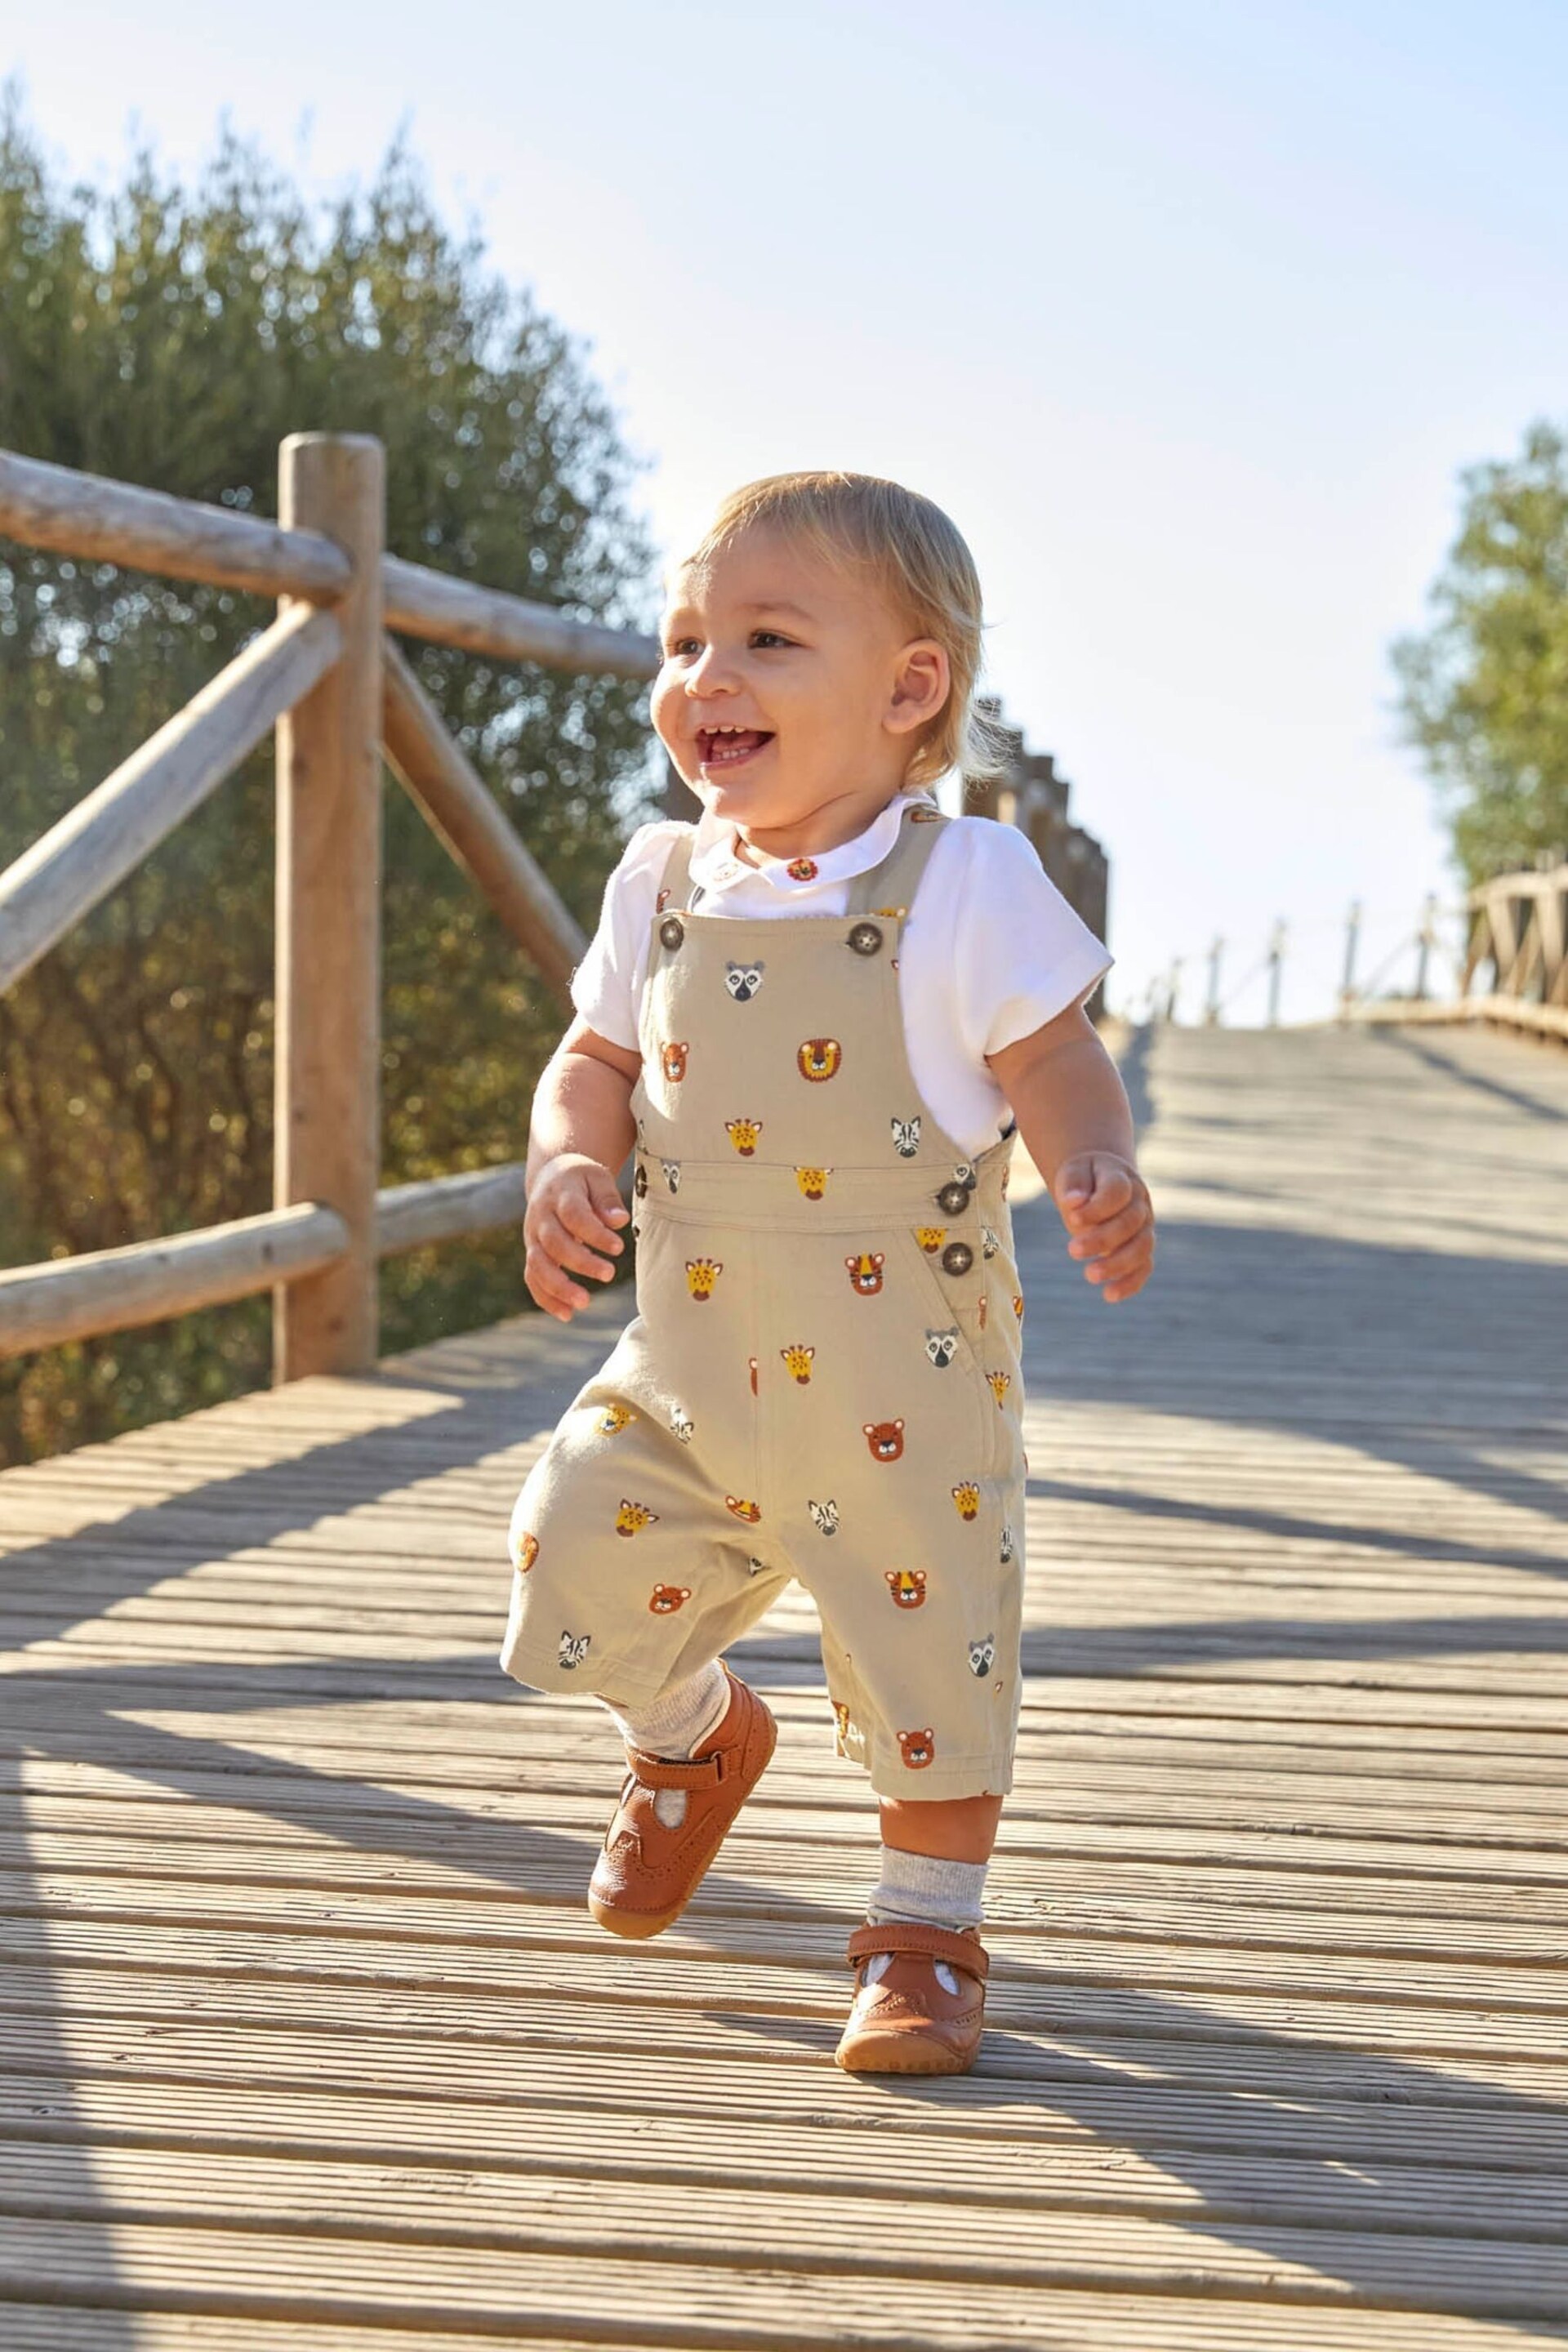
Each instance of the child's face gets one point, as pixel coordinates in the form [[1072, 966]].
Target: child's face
[[821, 678]]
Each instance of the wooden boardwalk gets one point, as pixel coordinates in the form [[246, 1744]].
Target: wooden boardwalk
[[307, 2043]]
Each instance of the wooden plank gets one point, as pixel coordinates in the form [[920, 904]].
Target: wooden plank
[[454, 611]]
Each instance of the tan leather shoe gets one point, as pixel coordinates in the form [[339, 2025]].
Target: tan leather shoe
[[907, 2022], [648, 1874]]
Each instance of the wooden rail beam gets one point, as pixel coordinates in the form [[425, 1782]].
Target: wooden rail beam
[[97, 844], [440, 779], [447, 1208], [450, 611], [327, 1130], [68, 513]]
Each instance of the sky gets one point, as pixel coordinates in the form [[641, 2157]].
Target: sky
[[1189, 315]]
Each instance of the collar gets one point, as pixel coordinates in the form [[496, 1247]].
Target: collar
[[716, 867]]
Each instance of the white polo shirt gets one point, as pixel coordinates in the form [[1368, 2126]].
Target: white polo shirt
[[991, 951]]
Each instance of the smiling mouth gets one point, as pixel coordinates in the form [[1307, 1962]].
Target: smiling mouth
[[731, 747]]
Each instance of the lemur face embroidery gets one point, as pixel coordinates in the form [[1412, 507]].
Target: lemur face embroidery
[[812, 1181], [743, 1134], [525, 1550], [865, 1273], [966, 1499], [930, 1238], [666, 1599], [743, 981], [573, 1649], [982, 1654], [702, 1273], [885, 1438], [671, 1173], [824, 1517], [907, 1586], [941, 1347], [682, 1424], [917, 1748], [755, 1567], [632, 1517], [749, 1512], [673, 1059], [906, 1137], [799, 1362], [820, 1058], [1000, 1384], [614, 1417]]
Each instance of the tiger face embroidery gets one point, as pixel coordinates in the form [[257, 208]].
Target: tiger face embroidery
[[885, 1438], [573, 1649], [525, 1550], [824, 1517], [632, 1517], [743, 981], [702, 1273], [812, 1181], [614, 1417], [906, 1137], [982, 1654], [743, 1133], [666, 1599], [930, 1238], [865, 1273], [1000, 1384], [917, 1748], [799, 1362], [907, 1586], [673, 1060], [941, 1347], [966, 1499], [819, 1058], [749, 1512]]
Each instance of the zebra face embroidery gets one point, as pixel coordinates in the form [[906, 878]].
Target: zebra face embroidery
[[682, 1424], [983, 1655], [743, 981], [824, 1517], [906, 1137], [941, 1347], [573, 1649], [1006, 1547]]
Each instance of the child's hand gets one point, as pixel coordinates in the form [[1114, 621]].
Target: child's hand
[[1105, 1206], [572, 1210]]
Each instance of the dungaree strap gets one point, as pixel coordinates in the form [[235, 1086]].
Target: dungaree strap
[[894, 882], [677, 877]]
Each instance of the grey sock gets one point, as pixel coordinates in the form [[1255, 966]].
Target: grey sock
[[674, 1725], [921, 1889]]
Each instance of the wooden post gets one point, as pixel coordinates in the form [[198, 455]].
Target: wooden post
[[1276, 967], [328, 1096], [1211, 1002], [1426, 941], [1347, 976]]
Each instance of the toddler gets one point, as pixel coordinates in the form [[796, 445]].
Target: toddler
[[817, 1018]]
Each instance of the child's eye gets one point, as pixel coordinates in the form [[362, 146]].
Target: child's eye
[[678, 645], [769, 636]]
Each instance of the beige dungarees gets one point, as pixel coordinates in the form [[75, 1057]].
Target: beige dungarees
[[822, 1380]]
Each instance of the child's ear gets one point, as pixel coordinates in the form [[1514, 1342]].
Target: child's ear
[[921, 683]]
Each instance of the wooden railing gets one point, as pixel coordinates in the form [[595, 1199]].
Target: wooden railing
[[339, 693], [1516, 960]]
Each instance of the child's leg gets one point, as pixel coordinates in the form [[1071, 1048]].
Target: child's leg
[[934, 1864], [674, 1726]]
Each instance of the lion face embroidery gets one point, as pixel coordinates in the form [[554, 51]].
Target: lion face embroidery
[[885, 1438], [743, 981], [573, 1649], [966, 1499], [917, 1748], [614, 1417], [812, 1181], [702, 1273], [930, 1238], [941, 1347], [525, 1550], [824, 1517], [865, 1273], [632, 1517], [666, 1599], [906, 1137], [673, 1059], [907, 1586], [820, 1058], [749, 1512], [799, 1362], [982, 1654], [743, 1134]]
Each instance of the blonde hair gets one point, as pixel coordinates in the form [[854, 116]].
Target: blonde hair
[[918, 559]]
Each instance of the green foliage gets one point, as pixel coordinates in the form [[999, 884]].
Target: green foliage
[[172, 335], [1485, 691]]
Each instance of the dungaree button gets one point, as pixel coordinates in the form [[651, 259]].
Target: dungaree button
[[671, 931], [866, 939], [957, 1259], [954, 1198], [639, 1182]]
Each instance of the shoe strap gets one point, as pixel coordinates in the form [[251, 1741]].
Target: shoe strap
[[662, 1772], [966, 1952]]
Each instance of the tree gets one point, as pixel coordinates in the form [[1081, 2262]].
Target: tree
[[171, 335], [1485, 691]]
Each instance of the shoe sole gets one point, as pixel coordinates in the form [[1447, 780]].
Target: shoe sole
[[901, 2053], [637, 1926]]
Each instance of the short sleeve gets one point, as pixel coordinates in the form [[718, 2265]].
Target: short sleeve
[[1022, 956], [606, 987]]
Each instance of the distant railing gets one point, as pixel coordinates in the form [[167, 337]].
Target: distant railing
[[337, 690], [1515, 968]]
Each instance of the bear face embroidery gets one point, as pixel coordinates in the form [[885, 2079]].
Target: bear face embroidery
[[812, 1181], [802, 869], [682, 1424], [966, 1499], [614, 1417], [661, 902], [1000, 1384], [941, 1347], [799, 1362], [632, 1517], [525, 1550], [906, 1137], [671, 1173], [749, 1512], [743, 1134], [743, 981], [930, 1238], [824, 1517], [982, 1654], [702, 1273], [917, 1748], [985, 1309], [907, 1586], [885, 1438], [673, 1059], [865, 1273], [819, 1058], [573, 1649], [666, 1599]]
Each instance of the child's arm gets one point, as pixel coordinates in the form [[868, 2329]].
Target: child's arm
[[1073, 1115], [580, 1132]]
